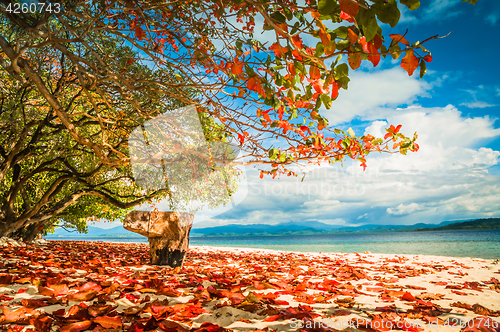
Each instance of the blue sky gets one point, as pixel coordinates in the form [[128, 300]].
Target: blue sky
[[455, 110]]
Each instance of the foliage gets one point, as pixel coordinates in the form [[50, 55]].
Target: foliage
[[96, 69]]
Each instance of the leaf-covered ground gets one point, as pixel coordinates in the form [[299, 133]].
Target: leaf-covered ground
[[79, 286]]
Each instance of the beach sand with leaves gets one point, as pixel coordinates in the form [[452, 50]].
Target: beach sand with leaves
[[96, 286]]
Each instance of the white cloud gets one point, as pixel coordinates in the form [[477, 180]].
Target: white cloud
[[477, 104], [404, 209], [369, 91], [441, 9], [492, 19], [446, 179]]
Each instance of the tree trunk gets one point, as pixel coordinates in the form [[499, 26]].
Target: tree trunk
[[167, 232]]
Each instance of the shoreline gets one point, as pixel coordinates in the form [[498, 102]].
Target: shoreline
[[246, 289]]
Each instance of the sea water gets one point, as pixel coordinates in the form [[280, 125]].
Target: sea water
[[464, 243]]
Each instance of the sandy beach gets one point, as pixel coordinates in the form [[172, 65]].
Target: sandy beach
[[79, 286]]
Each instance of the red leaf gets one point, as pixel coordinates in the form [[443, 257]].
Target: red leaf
[[207, 327], [347, 17], [408, 297], [273, 318], [130, 61], [33, 303], [170, 326], [374, 59], [136, 327], [76, 327], [42, 324], [481, 324], [6, 279], [428, 58], [335, 90], [399, 39], [297, 41], [349, 7], [109, 322], [139, 33], [409, 62]]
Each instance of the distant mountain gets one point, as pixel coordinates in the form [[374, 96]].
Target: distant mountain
[[491, 223], [307, 227], [117, 231], [289, 228]]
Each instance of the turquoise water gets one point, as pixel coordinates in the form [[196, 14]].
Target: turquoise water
[[474, 243]]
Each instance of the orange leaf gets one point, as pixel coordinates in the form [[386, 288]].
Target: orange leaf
[[109, 322], [314, 72], [237, 68], [278, 49], [297, 41], [353, 37], [325, 37], [399, 39], [349, 7], [409, 62], [76, 327], [354, 60], [330, 49]]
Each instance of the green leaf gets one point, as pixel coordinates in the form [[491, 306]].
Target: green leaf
[[318, 104], [320, 49], [395, 51], [273, 153], [325, 7], [368, 22], [327, 101], [283, 157], [387, 12], [277, 16], [341, 70], [337, 131], [423, 68], [343, 81], [383, 50], [411, 4], [341, 32], [473, 2], [288, 13], [343, 44]]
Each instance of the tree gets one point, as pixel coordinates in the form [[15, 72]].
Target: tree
[[48, 179], [172, 54]]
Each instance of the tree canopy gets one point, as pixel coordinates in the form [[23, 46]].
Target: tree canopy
[[78, 80]]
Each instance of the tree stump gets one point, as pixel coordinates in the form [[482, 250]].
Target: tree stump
[[167, 233]]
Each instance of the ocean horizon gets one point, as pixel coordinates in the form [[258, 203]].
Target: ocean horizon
[[460, 243]]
